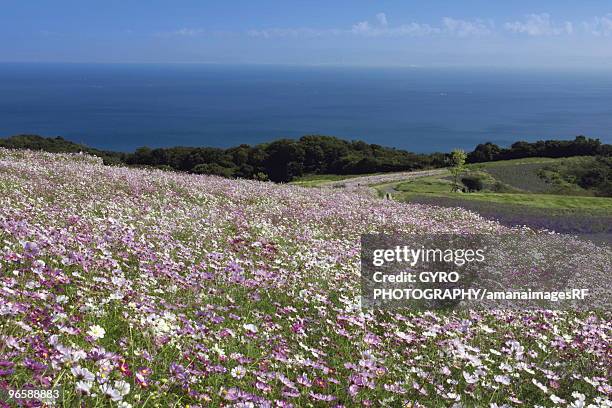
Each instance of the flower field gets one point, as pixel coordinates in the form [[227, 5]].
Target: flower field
[[583, 223], [141, 288]]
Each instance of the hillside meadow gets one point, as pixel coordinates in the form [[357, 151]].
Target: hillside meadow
[[145, 288], [542, 193]]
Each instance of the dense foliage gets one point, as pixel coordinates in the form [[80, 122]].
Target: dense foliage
[[472, 183], [286, 159], [593, 174], [281, 160], [580, 146]]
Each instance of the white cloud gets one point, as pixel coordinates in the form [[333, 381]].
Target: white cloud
[[380, 27], [182, 32], [463, 28], [539, 25], [364, 28], [599, 26], [189, 32], [382, 19], [450, 26], [292, 32]]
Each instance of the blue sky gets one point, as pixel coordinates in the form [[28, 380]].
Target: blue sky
[[515, 33]]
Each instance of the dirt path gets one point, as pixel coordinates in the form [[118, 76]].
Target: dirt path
[[364, 183]]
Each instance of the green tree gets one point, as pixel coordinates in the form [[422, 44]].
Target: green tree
[[285, 160], [484, 152], [457, 167], [261, 176]]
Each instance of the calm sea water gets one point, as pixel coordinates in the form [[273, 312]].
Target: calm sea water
[[122, 107]]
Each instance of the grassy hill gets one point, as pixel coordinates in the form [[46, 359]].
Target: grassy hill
[[543, 193], [581, 175], [540, 192], [533, 182], [519, 174], [143, 288]]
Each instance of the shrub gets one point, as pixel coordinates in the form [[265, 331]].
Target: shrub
[[213, 169], [472, 183], [500, 187], [592, 178]]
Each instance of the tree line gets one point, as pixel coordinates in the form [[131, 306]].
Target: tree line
[[286, 159], [580, 146]]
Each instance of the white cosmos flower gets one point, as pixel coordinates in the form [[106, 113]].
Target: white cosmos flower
[[502, 379], [487, 329], [82, 372], [83, 386], [123, 387], [539, 385], [61, 299], [218, 350], [469, 378], [116, 296], [238, 372], [162, 326], [250, 327], [556, 399], [111, 392], [96, 332]]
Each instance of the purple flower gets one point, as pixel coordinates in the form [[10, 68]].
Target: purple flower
[[321, 397], [31, 249], [6, 368], [34, 365]]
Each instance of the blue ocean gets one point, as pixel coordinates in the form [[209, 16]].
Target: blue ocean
[[125, 106]]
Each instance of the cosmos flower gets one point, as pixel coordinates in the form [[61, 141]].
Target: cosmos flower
[[556, 399], [96, 332], [502, 379], [470, 378], [84, 387], [238, 372], [251, 328], [82, 373], [122, 387], [111, 392], [540, 385]]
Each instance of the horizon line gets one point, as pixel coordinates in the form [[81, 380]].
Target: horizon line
[[501, 67]]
